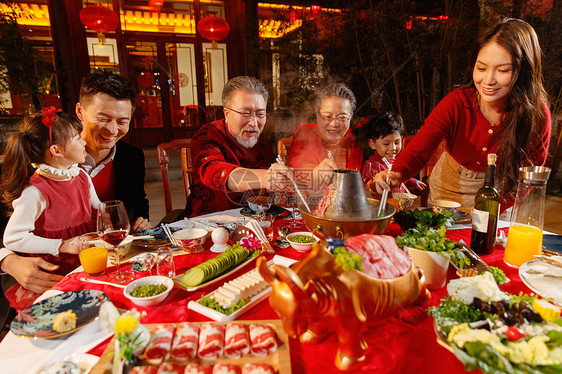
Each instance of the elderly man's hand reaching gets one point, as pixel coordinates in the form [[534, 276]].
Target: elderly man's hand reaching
[[279, 178]]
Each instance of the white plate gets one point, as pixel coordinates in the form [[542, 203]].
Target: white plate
[[215, 315], [83, 360], [532, 274], [256, 299]]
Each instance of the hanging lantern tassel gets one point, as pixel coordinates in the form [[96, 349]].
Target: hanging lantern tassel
[[214, 29], [99, 19]]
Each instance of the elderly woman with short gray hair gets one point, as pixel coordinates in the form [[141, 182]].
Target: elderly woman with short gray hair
[[328, 144]]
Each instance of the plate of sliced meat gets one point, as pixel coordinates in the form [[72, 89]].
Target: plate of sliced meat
[[244, 347]]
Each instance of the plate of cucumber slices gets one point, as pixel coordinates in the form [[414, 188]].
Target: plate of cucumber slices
[[216, 268]]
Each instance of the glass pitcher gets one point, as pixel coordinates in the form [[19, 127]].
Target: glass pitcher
[[524, 239]]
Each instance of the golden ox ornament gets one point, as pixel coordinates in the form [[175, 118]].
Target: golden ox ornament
[[318, 295]]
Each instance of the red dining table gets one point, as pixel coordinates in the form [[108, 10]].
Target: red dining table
[[403, 343]]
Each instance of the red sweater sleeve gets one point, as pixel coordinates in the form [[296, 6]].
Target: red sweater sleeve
[[436, 127]]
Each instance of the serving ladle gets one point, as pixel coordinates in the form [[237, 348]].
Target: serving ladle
[[281, 162]]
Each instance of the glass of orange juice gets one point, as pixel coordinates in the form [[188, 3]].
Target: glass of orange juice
[[93, 254], [523, 242]]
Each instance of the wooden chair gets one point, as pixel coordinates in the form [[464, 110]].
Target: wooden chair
[[184, 145], [283, 146]]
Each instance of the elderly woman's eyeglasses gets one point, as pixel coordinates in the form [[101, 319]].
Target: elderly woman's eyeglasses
[[341, 119], [248, 115]]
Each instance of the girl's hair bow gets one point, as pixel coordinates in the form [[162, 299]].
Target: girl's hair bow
[[48, 119]]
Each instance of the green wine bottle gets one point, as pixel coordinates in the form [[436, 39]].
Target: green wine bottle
[[485, 213]]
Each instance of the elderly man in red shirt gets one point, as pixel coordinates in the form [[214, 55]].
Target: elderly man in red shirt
[[229, 155]]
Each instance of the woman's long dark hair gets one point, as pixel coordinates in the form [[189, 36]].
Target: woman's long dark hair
[[30, 145], [527, 99]]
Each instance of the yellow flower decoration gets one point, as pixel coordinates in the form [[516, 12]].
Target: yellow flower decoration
[[125, 324]]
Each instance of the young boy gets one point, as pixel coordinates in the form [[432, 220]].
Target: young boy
[[385, 138]]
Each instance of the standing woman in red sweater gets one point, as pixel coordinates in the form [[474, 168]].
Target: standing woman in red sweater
[[503, 110]]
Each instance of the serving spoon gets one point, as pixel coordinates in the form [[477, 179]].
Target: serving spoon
[[281, 162]]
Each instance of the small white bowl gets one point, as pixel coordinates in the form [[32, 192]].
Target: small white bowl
[[259, 204], [191, 240], [434, 266], [152, 300], [404, 199], [440, 206], [302, 247]]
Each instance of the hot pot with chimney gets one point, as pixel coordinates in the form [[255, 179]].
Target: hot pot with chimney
[[345, 210]]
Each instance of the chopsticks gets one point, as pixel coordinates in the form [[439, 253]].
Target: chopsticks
[[280, 161], [388, 165], [384, 195], [256, 228], [168, 233]]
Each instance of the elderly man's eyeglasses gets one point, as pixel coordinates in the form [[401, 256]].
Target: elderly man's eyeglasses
[[248, 115], [341, 119]]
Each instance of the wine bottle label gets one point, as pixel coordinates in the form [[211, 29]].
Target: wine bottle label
[[480, 220]]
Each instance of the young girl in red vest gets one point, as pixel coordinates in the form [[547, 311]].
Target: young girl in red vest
[[52, 198]]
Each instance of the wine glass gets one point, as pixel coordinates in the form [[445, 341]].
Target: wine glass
[[368, 172], [113, 228], [296, 223]]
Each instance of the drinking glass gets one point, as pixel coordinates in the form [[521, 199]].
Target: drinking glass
[[93, 255], [368, 171], [113, 228], [165, 262], [266, 223], [149, 260], [241, 221], [296, 222], [524, 239]]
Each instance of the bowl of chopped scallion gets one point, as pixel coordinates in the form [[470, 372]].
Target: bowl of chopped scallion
[[149, 291]]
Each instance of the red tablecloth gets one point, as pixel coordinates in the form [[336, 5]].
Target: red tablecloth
[[404, 343]]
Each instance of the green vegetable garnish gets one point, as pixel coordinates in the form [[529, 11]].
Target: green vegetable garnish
[[148, 290], [304, 239], [210, 302], [457, 311], [347, 260], [433, 240], [499, 275], [432, 219]]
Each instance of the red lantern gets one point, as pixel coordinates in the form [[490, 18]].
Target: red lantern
[[213, 28], [315, 9], [293, 16], [99, 19]]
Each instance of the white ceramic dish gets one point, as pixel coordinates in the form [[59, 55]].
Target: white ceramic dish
[[259, 204], [221, 317], [152, 300], [191, 240], [404, 199], [440, 206], [434, 266], [532, 273], [84, 361], [256, 299], [302, 247]]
